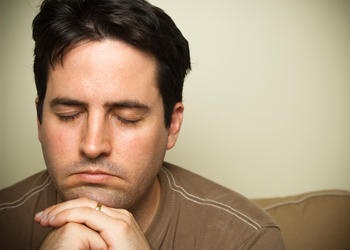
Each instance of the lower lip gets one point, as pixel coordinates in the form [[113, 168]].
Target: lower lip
[[94, 178]]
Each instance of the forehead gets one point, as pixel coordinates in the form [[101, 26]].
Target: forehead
[[104, 67]]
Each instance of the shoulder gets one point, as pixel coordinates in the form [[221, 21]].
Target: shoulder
[[18, 204], [197, 189], [221, 211], [18, 194]]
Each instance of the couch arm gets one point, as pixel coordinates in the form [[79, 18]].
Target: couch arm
[[315, 220]]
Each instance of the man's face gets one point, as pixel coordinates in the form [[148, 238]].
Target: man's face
[[103, 133]]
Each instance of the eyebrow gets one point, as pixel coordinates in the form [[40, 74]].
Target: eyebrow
[[127, 104], [66, 102], [124, 104]]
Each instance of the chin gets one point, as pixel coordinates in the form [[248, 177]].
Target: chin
[[109, 198]]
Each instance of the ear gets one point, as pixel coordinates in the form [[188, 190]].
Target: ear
[[175, 124], [37, 119]]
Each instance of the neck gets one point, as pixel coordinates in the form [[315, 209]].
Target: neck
[[145, 213]]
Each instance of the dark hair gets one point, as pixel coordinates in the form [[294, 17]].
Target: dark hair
[[61, 24]]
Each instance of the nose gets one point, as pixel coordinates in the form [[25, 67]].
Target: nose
[[95, 139]]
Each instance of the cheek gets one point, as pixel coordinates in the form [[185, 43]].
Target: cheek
[[57, 142], [142, 154], [143, 144]]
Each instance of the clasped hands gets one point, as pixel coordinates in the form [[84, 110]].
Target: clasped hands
[[79, 225]]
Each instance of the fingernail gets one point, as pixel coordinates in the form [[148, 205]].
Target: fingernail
[[44, 218], [38, 215], [52, 218]]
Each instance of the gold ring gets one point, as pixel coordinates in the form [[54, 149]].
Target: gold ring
[[98, 206]]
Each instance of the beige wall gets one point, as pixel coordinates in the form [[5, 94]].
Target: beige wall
[[267, 102]]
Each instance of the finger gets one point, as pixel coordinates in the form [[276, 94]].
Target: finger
[[120, 230], [96, 220], [73, 236], [43, 216]]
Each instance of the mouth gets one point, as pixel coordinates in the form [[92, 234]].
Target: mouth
[[93, 176]]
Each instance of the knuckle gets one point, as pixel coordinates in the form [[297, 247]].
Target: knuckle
[[83, 199], [128, 217], [127, 213], [124, 227], [70, 227], [125, 224]]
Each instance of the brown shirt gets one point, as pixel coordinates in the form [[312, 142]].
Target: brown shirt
[[194, 213], [18, 205]]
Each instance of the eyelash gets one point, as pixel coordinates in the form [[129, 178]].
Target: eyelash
[[127, 122], [67, 118]]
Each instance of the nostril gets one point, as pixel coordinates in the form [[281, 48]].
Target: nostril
[[95, 149]]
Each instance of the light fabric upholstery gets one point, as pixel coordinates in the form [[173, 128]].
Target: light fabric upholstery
[[315, 220]]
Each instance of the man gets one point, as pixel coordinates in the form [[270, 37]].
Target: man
[[109, 77]]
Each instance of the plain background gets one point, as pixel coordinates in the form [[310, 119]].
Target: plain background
[[267, 102]]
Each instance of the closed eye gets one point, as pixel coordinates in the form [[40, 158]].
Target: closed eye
[[128, 121], [68, 116], [128, 116]]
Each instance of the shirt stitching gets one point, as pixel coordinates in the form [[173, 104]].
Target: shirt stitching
[[20, 201], [199, 200]]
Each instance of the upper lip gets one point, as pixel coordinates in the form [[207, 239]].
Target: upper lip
[[93, 172]]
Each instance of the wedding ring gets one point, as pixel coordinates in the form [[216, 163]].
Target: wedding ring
[[98, 206]]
